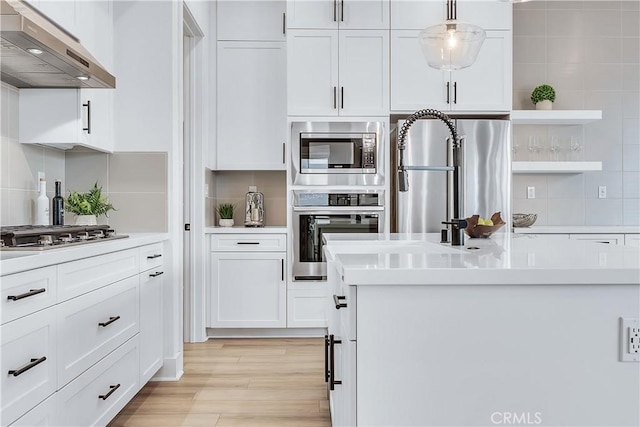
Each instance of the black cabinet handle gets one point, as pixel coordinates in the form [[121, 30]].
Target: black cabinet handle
[[334, 11], [156, 274], [108, 322], [88, 105], [326, 358], [113, 388], [247, 243], [448, 92], [334, 98], [32, 364], [283, 152], [31, 293], [332, 369], [284, 23], [282, 269], [342, 10], [337, 299], [154, 256], [455, 92], [454, 10], [342, 97]]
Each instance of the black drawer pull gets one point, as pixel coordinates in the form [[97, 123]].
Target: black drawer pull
[[31, 293], [106, 396], [32, 364], [108, 322], [156, 274], [337, 299], [154, 256], [247, 243]]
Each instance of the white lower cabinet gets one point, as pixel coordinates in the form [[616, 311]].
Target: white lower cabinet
[[306, 305], [151, 320], [96, 396], [43, 415], [28, 363], [632, 240], [248, 285]]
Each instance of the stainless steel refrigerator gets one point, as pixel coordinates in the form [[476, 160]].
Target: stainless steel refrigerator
[[486, 174]]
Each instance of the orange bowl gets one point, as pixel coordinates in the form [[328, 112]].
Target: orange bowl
[[475, 230]]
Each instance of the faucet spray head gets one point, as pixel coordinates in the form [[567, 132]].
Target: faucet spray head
[[403, 180]]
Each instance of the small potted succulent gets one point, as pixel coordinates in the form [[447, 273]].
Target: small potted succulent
[[88, 206], [225, 211], [543, 97]]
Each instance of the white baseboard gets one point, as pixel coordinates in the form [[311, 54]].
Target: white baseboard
[[266, 332], [172, 369]]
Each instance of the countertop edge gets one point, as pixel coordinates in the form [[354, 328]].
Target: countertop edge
[[246, 230]]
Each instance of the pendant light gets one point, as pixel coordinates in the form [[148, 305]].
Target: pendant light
[[452, 45]]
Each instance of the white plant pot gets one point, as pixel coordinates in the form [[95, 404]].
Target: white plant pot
[[86, 220], [226, 222], [544, 105]]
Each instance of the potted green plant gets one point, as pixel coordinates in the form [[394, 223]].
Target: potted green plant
[[543, 97], [88, 206], [225, 211]]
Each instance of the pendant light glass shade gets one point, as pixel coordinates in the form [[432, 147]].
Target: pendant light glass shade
[[452, 45]]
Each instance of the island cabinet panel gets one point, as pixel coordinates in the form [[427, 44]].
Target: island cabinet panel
[[550, 352]]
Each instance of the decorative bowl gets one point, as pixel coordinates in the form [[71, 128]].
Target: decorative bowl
[[475, 230], [524, 220]]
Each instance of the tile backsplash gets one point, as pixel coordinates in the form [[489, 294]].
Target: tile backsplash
[[136, 183], [589, 52]]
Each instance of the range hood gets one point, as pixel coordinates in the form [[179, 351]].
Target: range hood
[[37, 53]]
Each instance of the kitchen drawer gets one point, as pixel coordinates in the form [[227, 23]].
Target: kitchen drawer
[[27, 292], [150, 256], [248, 242], [41, 416], [346, 300], [28, 341], [91, 326], [79, 277], [96, 396], [612, 239]]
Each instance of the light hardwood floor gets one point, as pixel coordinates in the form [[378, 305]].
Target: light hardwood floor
[[238, 382]]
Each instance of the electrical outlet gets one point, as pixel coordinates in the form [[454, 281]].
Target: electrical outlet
[[531, 192], [206, 190], [602, 192], [629, 340]]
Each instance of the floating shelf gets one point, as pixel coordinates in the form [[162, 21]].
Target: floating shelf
[[554, 117], [555, 167]]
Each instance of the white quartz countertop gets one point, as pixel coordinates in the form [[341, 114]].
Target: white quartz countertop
[[245, 230], [17, 261], [578, 229], [504, 259]]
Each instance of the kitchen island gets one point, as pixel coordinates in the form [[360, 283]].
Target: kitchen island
[[512, 330]]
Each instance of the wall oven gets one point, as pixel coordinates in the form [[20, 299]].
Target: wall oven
[[315, 213], [337, 153]]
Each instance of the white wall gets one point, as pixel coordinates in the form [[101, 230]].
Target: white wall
[[589, 52]]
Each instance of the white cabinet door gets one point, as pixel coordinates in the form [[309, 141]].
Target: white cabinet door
[[150, 323], [94, 26], [312, 70], [318, 14], [252, 112], [63, 118], [488, 14], [414, 85], [363, 14], [364, 72], [251, 20], [486, 85], [248, 290]]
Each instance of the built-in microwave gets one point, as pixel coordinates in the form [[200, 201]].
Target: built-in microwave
[[337, 153]]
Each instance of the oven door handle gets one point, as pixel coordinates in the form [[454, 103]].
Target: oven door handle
[[328, 210]]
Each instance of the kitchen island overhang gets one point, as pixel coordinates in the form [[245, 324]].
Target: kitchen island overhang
[[524, 327]]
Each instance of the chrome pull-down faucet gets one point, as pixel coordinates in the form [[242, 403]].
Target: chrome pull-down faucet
[[457, 223]]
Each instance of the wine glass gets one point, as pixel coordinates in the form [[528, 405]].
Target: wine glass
[[534, 147], [554, 148], [576, 148]]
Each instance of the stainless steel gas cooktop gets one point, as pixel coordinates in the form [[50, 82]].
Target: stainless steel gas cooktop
[[40, 237]]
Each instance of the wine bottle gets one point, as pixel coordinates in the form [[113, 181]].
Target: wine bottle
[[57, 205]]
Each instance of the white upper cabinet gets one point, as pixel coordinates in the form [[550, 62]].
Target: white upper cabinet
[[251, 20], [338, 72], [486, 85], [252, 109], [413, 14], [333, 14], [94, 28]]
